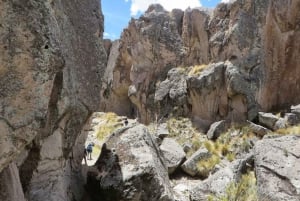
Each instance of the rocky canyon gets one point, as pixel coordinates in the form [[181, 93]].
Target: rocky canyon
[[211, 95]]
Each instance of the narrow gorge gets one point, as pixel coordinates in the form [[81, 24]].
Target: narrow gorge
[[193, 105]]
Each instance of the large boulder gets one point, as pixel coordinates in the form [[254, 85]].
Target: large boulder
[[277, 168], [173, 154], [130, 167]]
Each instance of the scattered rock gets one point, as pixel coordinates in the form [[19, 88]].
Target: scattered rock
[[257, 129], [280, 123], [190, 166], [173, 154], [267, 119], [162, 131], [216, 129], [296, 110], [291, 119], [187, 147], [277, 168]]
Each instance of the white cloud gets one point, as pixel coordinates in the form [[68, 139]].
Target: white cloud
[[105, 34], [142, 5], [224, 1], [111, 36]]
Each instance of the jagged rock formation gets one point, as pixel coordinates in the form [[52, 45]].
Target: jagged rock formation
[[258, 39], [52, 60]]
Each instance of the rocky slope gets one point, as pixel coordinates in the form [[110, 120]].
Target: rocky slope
[[171, 161], [258, 41], [52, 60]]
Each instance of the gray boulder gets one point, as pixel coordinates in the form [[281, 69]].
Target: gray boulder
[[162, 131], [130, 167], [216, 184], [258, 129], [291, 119], [267, 119], [216, 129], [190, 166], [280, 123], [187, 147], [172, 153], [277, 167], [296, 110]]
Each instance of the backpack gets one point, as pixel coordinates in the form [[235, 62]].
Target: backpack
[[89, 148]]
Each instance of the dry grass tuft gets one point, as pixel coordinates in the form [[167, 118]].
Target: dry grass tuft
[[196, 70]]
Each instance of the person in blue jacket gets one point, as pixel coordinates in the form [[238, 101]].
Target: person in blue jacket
[[89, 150]]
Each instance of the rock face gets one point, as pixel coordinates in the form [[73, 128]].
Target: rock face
[[277, 168], [130, 167], [10, 187], [259, 38], [52, 59]]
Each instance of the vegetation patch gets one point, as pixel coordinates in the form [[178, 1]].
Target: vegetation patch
[[289, 130], [108, 123], [182, 130], [235, 141], [205, 166], [244, 190]]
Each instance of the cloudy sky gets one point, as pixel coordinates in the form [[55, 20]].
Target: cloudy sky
[[117, 13]]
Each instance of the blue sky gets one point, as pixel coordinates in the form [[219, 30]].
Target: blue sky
[[117, 13]]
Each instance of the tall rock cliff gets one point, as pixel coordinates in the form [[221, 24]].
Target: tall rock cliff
[[257, 41], [52, 59]]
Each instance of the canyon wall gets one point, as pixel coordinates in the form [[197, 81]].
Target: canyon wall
[[258, 39], [52, 60]]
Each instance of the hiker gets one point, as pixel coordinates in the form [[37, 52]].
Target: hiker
[[126, 122], [85, 154], [89, 150]]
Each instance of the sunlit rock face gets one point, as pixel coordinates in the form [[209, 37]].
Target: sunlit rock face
[[52, 60], [260, 39]]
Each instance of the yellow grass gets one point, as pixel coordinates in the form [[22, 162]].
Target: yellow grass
[[196, 70], [289, 130]]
